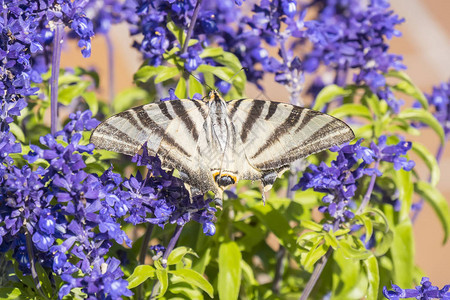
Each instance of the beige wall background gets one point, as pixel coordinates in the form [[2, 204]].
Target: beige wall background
[[425, 46]]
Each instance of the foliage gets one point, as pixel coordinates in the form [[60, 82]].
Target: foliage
[[76, 222]]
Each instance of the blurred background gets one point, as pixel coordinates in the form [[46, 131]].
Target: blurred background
[[425, 47]]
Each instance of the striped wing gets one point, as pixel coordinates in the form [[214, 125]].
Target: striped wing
[[275, 134], [172, 130]]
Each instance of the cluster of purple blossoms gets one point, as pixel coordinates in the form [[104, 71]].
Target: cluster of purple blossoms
[[63, 202], [352, 35], [150, 18], [424, 291], [440, 100], [340, 180], [165, 198], [25, 40]]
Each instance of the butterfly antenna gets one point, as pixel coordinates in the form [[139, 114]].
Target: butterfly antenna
[[264, 94], [235, 74], [198, 79]]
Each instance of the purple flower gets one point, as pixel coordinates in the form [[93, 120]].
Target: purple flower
[[424, 291], [339, 180], [192, 58], [393, 153], [350, 35], [439, 99]]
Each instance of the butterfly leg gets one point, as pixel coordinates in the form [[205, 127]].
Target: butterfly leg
[[218, 198], [268, 180]]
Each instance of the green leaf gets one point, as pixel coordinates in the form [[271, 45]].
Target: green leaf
[[147, 72], [309, 238], [373, 277], [221, 72], [201, 264], [384, 244], [358, 251], [331, 240], [92, 102], [17, 131], [328, 94], [346, 276], [177, 255], [128, 98], [374, 103], [194, 87], [317, 251], [67, 78], [423, 116], [186, 290], [232, 63], [230, 60], [10, 293], [180, 90], [430, 161], [311, 225], [348, 110], [408, 87], [378, 212], [164, 281], [437, 201], [27, 280], [140, 274], [229, 280], [196, 279], [179, 34], [367, 222], [405, 188], [211, 52], [277, 223], [402, 251], [44, 279], [166, 74], [67, 93], [247, 273]]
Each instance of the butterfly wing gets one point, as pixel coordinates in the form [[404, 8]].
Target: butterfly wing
[[172, 130], [274, 134]]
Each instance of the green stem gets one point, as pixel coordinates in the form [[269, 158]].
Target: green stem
[[191, 26]]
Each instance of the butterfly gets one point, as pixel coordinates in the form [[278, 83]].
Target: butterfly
[[214, 144]]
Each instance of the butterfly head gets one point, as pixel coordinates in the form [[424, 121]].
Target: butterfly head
[[214, 96]]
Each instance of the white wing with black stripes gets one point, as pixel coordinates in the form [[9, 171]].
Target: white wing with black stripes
[[276, 134], [172, 130], [214, 143]]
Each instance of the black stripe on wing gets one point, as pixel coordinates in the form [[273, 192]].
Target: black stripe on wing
[[284, 128], [272, 109], [184, 116], [331, 134], [151, 125], [253, 115]]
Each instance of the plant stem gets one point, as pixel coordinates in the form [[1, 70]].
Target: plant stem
[[295, 86], [143, 255], [172, 243], [369, 191], [191, 27], [316, 274], [110, 47], [34, 274], [279, 270], [56, 59], [318, 268], [145, 241]]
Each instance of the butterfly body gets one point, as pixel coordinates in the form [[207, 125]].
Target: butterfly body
[[214, 143]]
